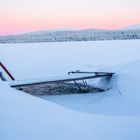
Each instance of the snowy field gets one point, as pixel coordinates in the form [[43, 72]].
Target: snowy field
[[114, 114]]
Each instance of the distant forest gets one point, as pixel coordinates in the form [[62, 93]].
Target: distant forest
[[76, 35]]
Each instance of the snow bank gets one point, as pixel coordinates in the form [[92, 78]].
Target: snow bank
[[26, 117], [129, 80]]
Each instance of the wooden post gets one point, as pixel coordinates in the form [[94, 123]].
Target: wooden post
[[8, 73]]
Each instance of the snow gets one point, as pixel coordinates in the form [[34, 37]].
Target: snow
[[113, 114]]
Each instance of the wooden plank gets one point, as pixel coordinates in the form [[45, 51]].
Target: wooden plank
[[60, 81], [85, 72]]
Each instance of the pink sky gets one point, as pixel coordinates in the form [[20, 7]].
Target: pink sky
[[19, 16]]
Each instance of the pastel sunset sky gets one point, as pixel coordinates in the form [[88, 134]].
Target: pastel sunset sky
[[17, 16]]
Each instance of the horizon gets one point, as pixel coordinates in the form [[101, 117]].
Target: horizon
[[31, 15], [70, 29]]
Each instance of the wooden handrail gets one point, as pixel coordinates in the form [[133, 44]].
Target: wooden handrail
[[7, 72]]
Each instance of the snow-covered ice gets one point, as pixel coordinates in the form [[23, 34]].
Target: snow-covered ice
[[113, 114]]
